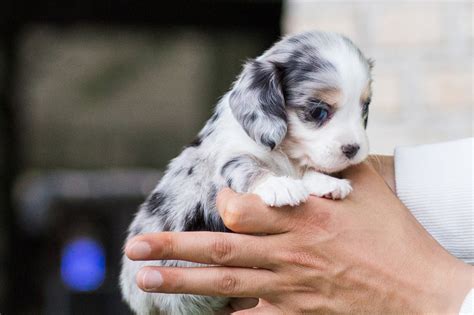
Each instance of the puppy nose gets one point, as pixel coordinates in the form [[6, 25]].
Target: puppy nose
[[350, 150]]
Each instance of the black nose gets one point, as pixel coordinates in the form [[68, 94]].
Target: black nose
[[350, 150]]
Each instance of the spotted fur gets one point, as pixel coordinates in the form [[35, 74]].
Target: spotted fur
[[264, 137]]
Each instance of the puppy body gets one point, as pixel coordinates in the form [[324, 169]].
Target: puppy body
[[295, 114]]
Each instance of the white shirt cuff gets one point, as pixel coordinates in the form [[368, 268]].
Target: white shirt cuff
[[467, 307], [434, 181]]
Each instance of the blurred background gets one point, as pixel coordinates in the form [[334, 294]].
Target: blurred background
[[97, 96]]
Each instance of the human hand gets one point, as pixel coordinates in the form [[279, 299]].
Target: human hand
[[364, 254]]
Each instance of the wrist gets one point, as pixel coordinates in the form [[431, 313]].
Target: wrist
[[429, 280], [447, 287], [457, 283]]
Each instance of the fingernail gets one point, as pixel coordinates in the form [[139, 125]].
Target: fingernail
[[151, 280], [138, 250]]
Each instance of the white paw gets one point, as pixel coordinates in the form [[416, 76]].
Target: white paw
[[281, 191], [328, 187], [340, 190]]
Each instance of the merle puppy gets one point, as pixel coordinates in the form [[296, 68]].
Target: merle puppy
[[295, 115]]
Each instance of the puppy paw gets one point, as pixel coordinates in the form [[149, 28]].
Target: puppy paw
[[328, 187], [340, 190], [281, 191]]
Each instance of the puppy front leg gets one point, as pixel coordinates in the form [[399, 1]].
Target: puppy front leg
[[322, 185], [281, 191], [247, 174]]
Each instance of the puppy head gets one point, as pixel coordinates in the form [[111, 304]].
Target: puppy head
[[309, 95]]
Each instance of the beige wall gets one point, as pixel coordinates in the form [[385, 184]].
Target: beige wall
[[423, 52]]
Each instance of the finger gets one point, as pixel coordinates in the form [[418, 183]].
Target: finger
[[237, 304], [213, 281], [247, 213], [212, 248], [261, 309], [242, 303]]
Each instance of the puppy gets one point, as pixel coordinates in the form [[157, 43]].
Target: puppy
[[295, 115]]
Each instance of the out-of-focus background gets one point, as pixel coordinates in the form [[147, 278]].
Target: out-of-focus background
[[96, 98]]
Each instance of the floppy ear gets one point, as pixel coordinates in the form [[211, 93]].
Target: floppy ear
[[258, 103]]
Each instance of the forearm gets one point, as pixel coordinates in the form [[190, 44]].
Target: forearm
[[432, 180]]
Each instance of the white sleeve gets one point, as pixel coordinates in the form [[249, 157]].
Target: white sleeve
[[435, 182], [467, 307]]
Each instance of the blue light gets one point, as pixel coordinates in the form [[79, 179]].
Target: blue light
[[83, 264]]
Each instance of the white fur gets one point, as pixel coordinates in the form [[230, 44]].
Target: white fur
[[281, 191]]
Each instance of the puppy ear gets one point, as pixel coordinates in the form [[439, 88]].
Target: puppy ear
[[258, 103]]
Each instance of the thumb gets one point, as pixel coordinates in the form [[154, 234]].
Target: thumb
[[263, 308]]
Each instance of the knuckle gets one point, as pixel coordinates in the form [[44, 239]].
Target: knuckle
[[174, 281], [221, 251], [167, 248], [222, 198], [227, 284], [232, 215]]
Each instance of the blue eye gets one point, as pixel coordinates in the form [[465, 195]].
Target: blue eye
[[320, 114], [317, 112]]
